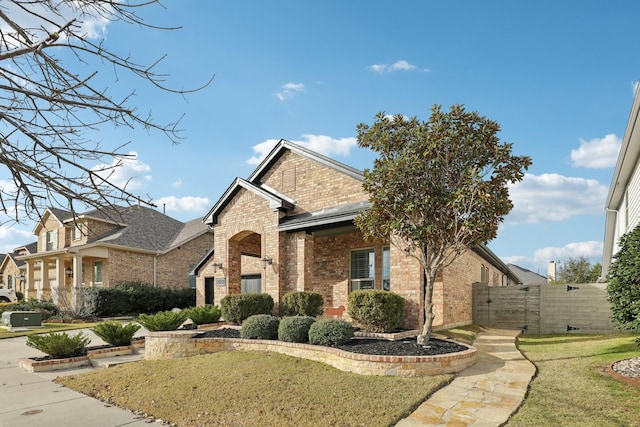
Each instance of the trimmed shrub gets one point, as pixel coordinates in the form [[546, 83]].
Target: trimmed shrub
[[260, 327], [330, 332], [163, 320], [375, 310], [302, 304], [238, 307], [204, 314], [60, 344], [624, 284], [116, 333], [20, 296], [295, 328]]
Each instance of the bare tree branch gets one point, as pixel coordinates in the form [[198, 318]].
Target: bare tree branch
[[47, 105]]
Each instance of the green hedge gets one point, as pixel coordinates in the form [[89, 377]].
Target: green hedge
[[375, 310], [204, 314], [46, 309], [134, 298], [238, 307], [299, 303]]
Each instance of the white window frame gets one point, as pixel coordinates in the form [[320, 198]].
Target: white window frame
[[97, 264]]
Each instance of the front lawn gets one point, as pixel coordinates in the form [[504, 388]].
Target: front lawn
[[571, 387], [245, 388]]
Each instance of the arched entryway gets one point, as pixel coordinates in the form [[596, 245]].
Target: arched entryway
[[246, 272]]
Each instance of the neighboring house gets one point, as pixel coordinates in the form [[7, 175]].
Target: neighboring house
[[623, 201], [101, 248], [528, 277], [13, 270], [289, 227]]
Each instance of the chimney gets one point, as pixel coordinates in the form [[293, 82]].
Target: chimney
[[551, 271]]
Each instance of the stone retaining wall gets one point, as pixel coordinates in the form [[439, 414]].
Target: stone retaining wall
[[175, 344]]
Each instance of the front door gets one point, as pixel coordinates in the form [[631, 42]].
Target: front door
[[208, 290]]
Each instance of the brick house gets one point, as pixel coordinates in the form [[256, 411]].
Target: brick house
[[289, 227], [13, 270], [101, 248]]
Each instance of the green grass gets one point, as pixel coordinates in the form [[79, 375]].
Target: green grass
[[255, 388], [45, 329], [571, 387]]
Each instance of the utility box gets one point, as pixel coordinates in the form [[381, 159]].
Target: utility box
[[12, 319]]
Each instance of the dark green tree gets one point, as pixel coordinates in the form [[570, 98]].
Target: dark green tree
[[578, 270], [437, 187], [624, 282]]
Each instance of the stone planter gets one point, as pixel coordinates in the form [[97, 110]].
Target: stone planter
[[32, 365]]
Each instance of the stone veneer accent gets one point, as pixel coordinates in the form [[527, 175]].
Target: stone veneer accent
[[176, 344]]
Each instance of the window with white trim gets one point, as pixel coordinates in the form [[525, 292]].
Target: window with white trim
[[77, 231], [52, 240], [363, 267]]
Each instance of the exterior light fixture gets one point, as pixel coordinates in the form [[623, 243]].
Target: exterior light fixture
[[266, 261], [216, 266], [69, 272]]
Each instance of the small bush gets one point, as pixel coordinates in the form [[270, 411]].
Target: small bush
[[260, 327], [375, 310], [238, 307], [20, 296], [163, 320], [330, 332], [60, 344], [203, 314], [116, 333], [295, 328], [302, 304]]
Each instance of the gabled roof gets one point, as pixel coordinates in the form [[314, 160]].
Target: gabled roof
[[147, 229], [285, 145], [324, 217], [202, 262], [140, 228], [528, 277], [276, 200], [488, 255], [60, 214]]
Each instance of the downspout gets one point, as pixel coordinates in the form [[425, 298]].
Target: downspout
[[155, 269]]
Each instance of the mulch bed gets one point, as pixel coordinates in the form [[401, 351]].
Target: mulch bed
[[403, 347]]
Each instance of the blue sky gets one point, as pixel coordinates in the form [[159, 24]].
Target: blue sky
[[559, 77]]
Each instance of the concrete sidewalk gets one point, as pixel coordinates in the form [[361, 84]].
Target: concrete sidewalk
[[34, 400], [485, 394]]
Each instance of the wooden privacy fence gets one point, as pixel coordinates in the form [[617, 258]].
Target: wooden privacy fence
[[544, 308]]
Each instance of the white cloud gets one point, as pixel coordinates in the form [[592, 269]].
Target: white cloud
[[322, 144], [126, 171], [553, 197], [13, 237], [183, 204], [177, 183], [597, 153], [591, 249], [401, 65], [289, 90]]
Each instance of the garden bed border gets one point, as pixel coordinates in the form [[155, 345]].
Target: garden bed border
[[177, 344]]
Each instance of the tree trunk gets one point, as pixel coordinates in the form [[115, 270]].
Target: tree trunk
[[424, 337]]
